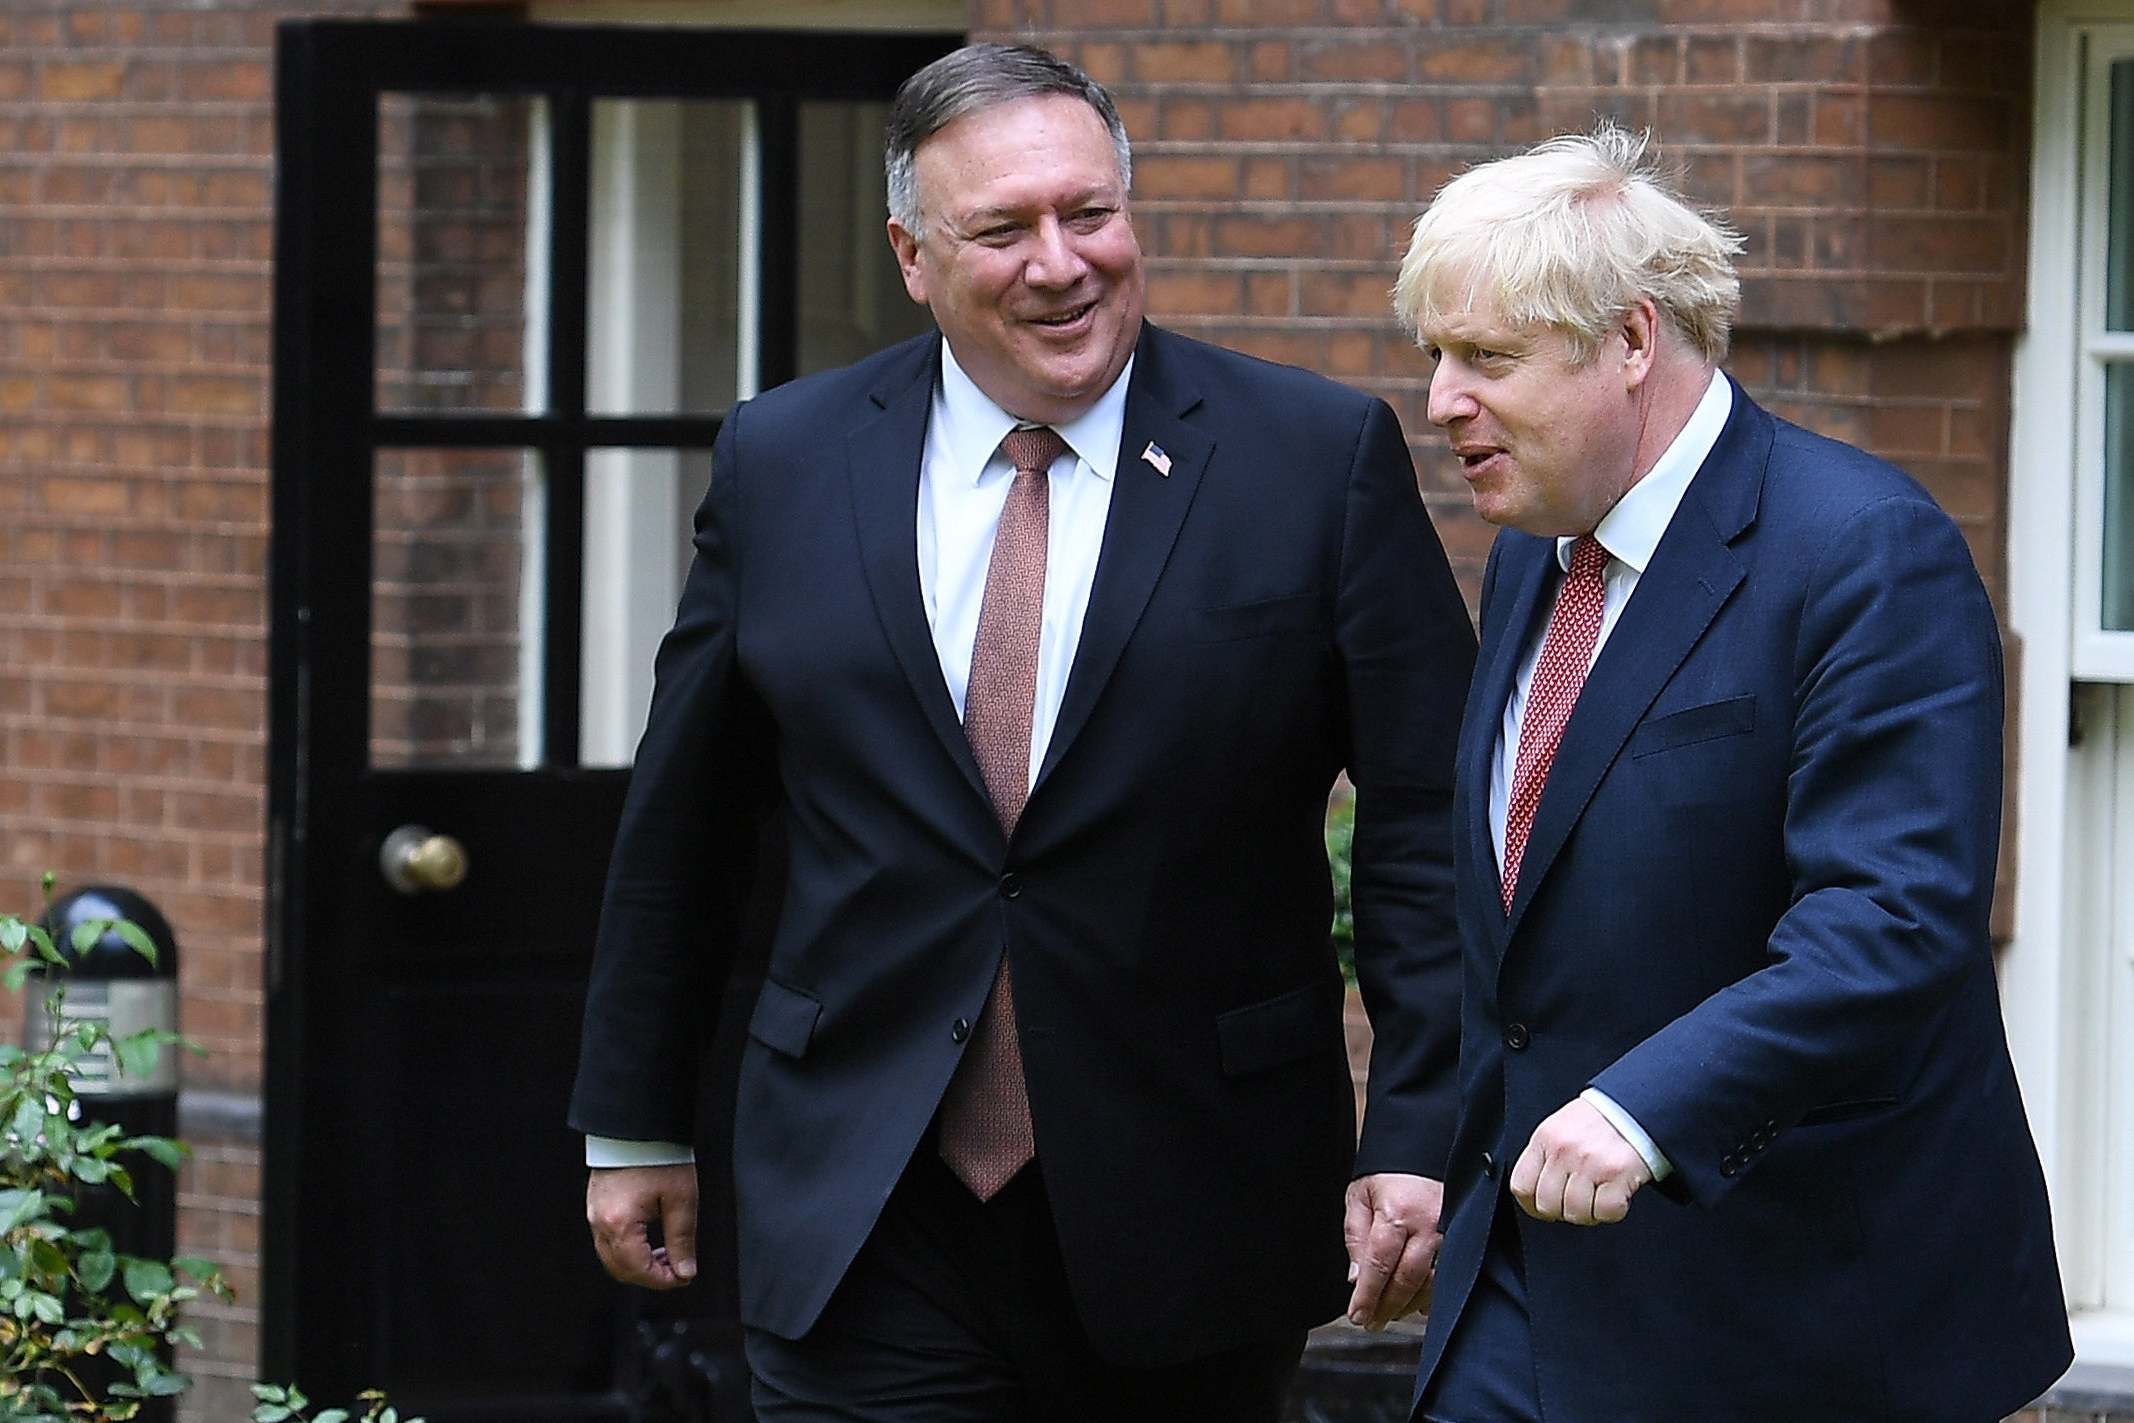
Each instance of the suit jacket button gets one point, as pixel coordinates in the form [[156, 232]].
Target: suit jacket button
[[1730, 1166], [959, 1030], [1516, 1037], [1011, 885], [1489, 1166]]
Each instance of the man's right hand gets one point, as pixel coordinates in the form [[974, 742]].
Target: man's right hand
[[621, 1202]]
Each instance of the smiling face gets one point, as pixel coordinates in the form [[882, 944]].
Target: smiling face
[[1028, 259], [1546, 443]]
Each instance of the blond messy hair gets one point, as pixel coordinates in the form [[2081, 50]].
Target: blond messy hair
[[1570, 234]]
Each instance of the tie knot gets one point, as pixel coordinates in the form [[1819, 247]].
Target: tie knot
[[1034, 448], [1588, 558]]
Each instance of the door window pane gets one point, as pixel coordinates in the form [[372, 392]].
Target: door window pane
[[454, 628], [664, 320], [453, 193], [639, 508], [852, 298]]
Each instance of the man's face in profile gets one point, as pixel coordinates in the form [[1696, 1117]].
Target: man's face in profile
[[1546, 441]]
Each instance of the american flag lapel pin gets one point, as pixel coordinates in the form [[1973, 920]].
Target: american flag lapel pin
[[1157, 459]]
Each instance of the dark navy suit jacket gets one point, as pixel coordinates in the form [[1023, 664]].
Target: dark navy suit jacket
[[1753, 911], [1274, 609]]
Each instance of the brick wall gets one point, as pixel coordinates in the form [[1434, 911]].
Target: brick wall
[[136, 178], [1873, 152]]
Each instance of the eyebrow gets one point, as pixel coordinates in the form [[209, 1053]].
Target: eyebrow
[[1011, 212]]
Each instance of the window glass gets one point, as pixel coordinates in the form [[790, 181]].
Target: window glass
[[2117, 562]]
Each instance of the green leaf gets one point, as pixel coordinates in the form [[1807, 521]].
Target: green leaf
[[161, 1148], [167, 1385], [145, 1279], [48, 1308], [138, 1053], [46, 949], [17, 974], [136, 938], [270, 1393], [19, 1206], [85, 934], [95, 1269], [330, 1415], [91, 1170], [272, 1413], [13, 934]]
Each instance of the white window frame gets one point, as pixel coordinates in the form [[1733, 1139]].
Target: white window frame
[[2066, 972], [2099, 654]]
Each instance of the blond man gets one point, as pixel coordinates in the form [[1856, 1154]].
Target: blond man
[[1738, 1137]]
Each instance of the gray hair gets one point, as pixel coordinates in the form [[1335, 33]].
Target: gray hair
[[1570, 234], [981, 76]]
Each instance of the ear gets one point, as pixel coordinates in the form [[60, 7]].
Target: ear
[[1640, 330], [906, 247]]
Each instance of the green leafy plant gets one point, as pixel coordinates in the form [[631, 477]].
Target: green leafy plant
[[1340, 844], [279, 1403], [81, 1323]]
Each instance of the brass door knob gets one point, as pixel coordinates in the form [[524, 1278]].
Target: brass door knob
[[417, 862]]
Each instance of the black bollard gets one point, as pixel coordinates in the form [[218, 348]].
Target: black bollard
[[108, 983]]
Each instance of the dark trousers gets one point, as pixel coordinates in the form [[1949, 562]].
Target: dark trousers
[[1486, 1374], [958, 1311]]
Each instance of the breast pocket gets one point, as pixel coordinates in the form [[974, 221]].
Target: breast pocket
[[1264, 617], [1700, 755]]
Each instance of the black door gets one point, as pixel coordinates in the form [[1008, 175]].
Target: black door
[[521, 272]]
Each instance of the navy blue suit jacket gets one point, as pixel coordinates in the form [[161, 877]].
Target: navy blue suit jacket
[[1274, 609], [1753, 911]]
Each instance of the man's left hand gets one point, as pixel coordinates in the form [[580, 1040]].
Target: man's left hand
[[1578, 1169], [1393, 1234]]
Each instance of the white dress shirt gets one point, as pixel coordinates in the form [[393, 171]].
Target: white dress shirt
[[1630, 532], [963, 486]]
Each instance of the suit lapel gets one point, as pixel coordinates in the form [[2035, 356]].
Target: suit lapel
[[1693, 572], [883, 454], [1525, 578], [1147, 510]]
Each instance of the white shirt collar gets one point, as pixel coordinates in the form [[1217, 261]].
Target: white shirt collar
[[1631, 531], [973, 426]]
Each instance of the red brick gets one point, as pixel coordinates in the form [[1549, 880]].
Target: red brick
[[1696, 117], [1159, 178], [1353, 61], [1474, 61], [1180, 61], [80, 82], [1369, 179], [1794, 59], [1194, 291], [1357, 294], [1908, 121], [1273, 119]]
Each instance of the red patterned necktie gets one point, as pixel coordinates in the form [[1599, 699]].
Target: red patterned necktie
[[985, 1115], [1566, 653]]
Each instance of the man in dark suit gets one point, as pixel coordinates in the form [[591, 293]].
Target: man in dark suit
[[1046, 637], [1728, 799]]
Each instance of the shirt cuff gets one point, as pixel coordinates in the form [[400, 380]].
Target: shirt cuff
[[1623, 1122], [605, 1151]]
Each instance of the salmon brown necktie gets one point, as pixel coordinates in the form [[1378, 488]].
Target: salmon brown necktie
[[1566, 654], [985, 1115]]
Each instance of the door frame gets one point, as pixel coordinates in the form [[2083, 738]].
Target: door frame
[[327, 432]]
